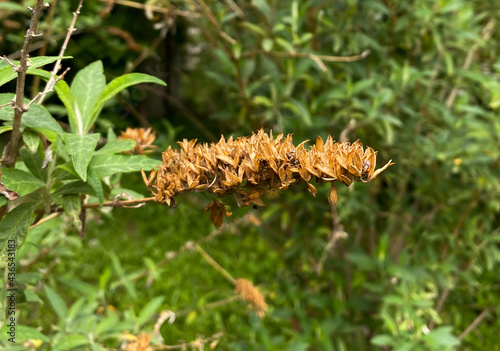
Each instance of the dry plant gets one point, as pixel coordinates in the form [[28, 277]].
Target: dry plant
[[252, 295], [247, 167], [143, 137]]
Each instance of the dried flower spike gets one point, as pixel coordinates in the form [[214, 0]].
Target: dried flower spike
[[144, 139], [248, 167], [252, 295]]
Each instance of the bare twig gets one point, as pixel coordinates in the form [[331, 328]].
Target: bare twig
[[475, 323], [114, 203], [52, 81], [210, 16], [46, 219], [485, 36], [172, 11], [321, 57], [11, 103], [43, 49], [19, 107], [235, 8], [214, 264], [6, 59], [337, 234]]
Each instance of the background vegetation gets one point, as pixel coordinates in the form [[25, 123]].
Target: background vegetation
[[407, 262]]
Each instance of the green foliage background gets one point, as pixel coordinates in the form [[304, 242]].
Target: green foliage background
[[420, 258]]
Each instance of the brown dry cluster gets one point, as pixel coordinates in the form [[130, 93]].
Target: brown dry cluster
[[247, 167], [252, 295], [143, 137]]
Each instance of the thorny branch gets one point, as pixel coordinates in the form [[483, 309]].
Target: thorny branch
[[57, 66], [19, 107]]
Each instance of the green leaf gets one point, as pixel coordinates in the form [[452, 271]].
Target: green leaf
[[36, 118], [70, 342], [381, 340], [75, 187], [24, 333], [12, 6], [117, 146], [117, 266], [81, 148], [64, 93], [20, 181], [300, 109], [86, 89], [57, 304], [4, 129], [96, 184], [7, 73], [117, 85], [105, 165], [14, 227], [148, 310], [32, 296], [440, 337], [31, 139], [34, 162], [72, 207]]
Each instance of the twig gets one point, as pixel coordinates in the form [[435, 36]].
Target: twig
[[19, 107], [321, 57], [6, 59], [214, 264], [43, 50], [52, 81], [337, 234], [7, 104], [153, 8], [235, 8], [46, 219], [485, 36], [114, 203], [475, 323], [210, 16]]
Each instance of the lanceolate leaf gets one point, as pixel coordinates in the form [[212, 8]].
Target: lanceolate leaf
[[117, 85], [117, 146], [72, 207], [86, 89], [96, 184], [36, 118], [106, 164], [14, 227], [63, 91], [7, 73], [81, 148], [20, 181]]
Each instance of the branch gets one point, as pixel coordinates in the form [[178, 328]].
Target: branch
[[114, 203], [474, 324], [52, 81], [172, 10], [19, 107]]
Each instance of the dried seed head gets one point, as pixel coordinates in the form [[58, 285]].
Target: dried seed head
[[252, 295], [144, 139], [248, 167]]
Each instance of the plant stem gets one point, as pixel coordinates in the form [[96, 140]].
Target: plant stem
[[214, 264], [71, 29], [19, 107]]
